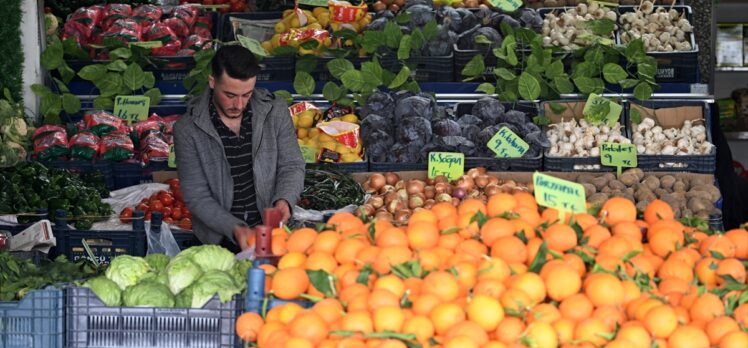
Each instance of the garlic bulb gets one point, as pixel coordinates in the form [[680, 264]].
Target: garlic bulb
[[661, 30], [580, 139], [568, 29], [690, 139]]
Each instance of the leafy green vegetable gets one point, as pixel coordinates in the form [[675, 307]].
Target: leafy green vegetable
[[328, 189], [18, 276], [211, 257], [148, 294], [210, 284], [182, 272], [107, 290], [158, 262], [126, 270]]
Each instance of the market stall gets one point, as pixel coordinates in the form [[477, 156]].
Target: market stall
[[478, 174]]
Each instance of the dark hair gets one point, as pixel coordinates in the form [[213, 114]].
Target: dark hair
[[237, 61]]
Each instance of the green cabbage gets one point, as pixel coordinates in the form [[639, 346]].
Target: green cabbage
[[106, 290], [148, 294], [181, 273], [127, 270], [158, 261], [239, 273], [184, 298], [211, 283], [211, 257]]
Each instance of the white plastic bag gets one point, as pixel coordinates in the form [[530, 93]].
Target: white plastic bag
[[162, 242]]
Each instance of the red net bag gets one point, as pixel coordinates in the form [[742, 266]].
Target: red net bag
[[115, 12]]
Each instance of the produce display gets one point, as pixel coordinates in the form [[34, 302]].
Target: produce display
[[30, 187], [569, 29], [489, 25], [189, 280], [328, 190], [333, 137], [18, 276], [230, 5], [652, 139], [662, 30], [14, 131], [505, 273], [169, 203], [396, 200], [182, 32], [581, 139]]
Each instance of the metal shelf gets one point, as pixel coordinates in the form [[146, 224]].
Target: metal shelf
[[731, 69]]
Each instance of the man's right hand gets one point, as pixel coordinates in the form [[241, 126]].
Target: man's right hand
[[244, 237]]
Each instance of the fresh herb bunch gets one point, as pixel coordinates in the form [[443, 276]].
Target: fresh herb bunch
[[328, 190], [18, 277]]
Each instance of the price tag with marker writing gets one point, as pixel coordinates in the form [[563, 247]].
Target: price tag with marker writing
[[449, 164], [309, 153], [618, 155], [132, 107], [507, 5], [507, 144], [559, 194], [172, 161]]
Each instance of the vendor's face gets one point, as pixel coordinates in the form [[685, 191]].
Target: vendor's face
[[231, 95]]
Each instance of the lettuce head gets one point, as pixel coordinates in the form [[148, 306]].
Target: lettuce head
[[106, 290], [126, 270], [181, 273], [148, 293]]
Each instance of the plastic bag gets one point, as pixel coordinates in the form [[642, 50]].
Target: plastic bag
[[50, 142], [102, 122], [84, 145], [197, 42], [344, 132], [169, 122], [302, 214], [178, 26], [115, 12], [153, 148], [147, 15], [202, 27], [161, 242], [187, 13], [116, 146], [345, 12], [124, 30], [142, 129], [84, 20]]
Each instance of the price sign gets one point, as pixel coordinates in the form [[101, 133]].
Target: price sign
[[618, 155], [309, 153], [172, 162], [507, 144], [319, 3], [559, 194], [507, 5], [148, 44], [132, 107], [600, 106], [449, 164]]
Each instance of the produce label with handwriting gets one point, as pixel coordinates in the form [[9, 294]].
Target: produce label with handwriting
[[507, 5], [449, 164], [559, 194], [618, 155], [507, 144], [132, 107], [320, 3], [309, 153], [172, 161]]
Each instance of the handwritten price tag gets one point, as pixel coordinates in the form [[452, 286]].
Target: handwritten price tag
[[507, 5], [618, 155], [132, 107], [449, 164], [320, 3], [172, 161], [559, 194], [507, 144], [309, 153]]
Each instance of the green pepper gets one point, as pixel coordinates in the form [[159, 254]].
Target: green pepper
[[83, 224], [58, 203], [71, 193]]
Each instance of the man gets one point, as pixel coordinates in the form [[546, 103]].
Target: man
[[236, 153]]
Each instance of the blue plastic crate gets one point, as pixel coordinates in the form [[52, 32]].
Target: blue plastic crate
[[91, 324], [36, 321], [255, 300]]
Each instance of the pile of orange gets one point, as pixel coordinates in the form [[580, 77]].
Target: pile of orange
[[505, 274]]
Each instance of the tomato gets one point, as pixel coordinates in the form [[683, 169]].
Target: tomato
[[167, 211], [156, 205], [145, 200], [126, 215], [167, 200], [176, 213], [144, 207], [178, 204], [178, 195], [186, 214], [168, 220], [185, 224], [147, 216]]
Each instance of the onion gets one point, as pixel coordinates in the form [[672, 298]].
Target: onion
[[383, 215], [491, 190], [459, 192], [465, 182], [474, 194], [443, 197], [416, 201], [376, 181], [493, 180], [400, 185], [387, 189], [441, 187], [441, 178], [367, 209], [402, 216], [402, 194], [368, 189], [415, 186], [395, 206], [429, 192], [391, 178], [430, 182], [392, 196], [376, 201], [456, 201], [481, 180], [428, 204], [475, 172]]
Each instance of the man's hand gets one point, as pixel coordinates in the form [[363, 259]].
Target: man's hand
[[244, 237], [285, 209]]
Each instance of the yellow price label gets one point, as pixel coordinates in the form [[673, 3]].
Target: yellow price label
[[507, 144], [148, 44], [132, 107], [507, 5], [618, 155], [172, 161], [559, 194], [319, 3], [449, 164], [309, 153]]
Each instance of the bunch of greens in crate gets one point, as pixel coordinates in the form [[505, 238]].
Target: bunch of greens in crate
[[19, 276], [14, 131], [330, 190], [527, 71], [31, 187]]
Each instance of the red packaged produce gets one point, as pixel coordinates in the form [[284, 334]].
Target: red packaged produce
[[85, 19], [187, 13], [185, 52], [50, 142], [203, 25], [147, 15], [178, 26], [160, 32], [153, 148], [116, 146], [169, 49], [114, 12], [71, 30], [102, 122], [142, 129], [46, 130], [197, 43], [125, 30], [84, 145], [169, 122]]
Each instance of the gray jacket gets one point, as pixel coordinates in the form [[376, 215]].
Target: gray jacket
[[204, 172]]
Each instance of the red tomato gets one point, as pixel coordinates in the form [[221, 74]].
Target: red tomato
[[145, 200], [166, 211], [168, 220], [126, 215], [185, 224], [178, 204], [171, 181], [178, 195], [144, 207], [176, 213], [167, 200], [147, 216], [156, 205], [186, 214]]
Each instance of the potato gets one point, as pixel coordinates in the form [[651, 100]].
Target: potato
[[699, 204], [606, 189], [629, 179], [714, 192], [597, 198], [652, 182], [703, 215], [660, 192], [680, 186], [699, 194], [641, 205], [616, 185], [589, 189], [645, 195], [636, 171], [609, 176], [629, 190], [667, 181], [600, 182], [585, 178]]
